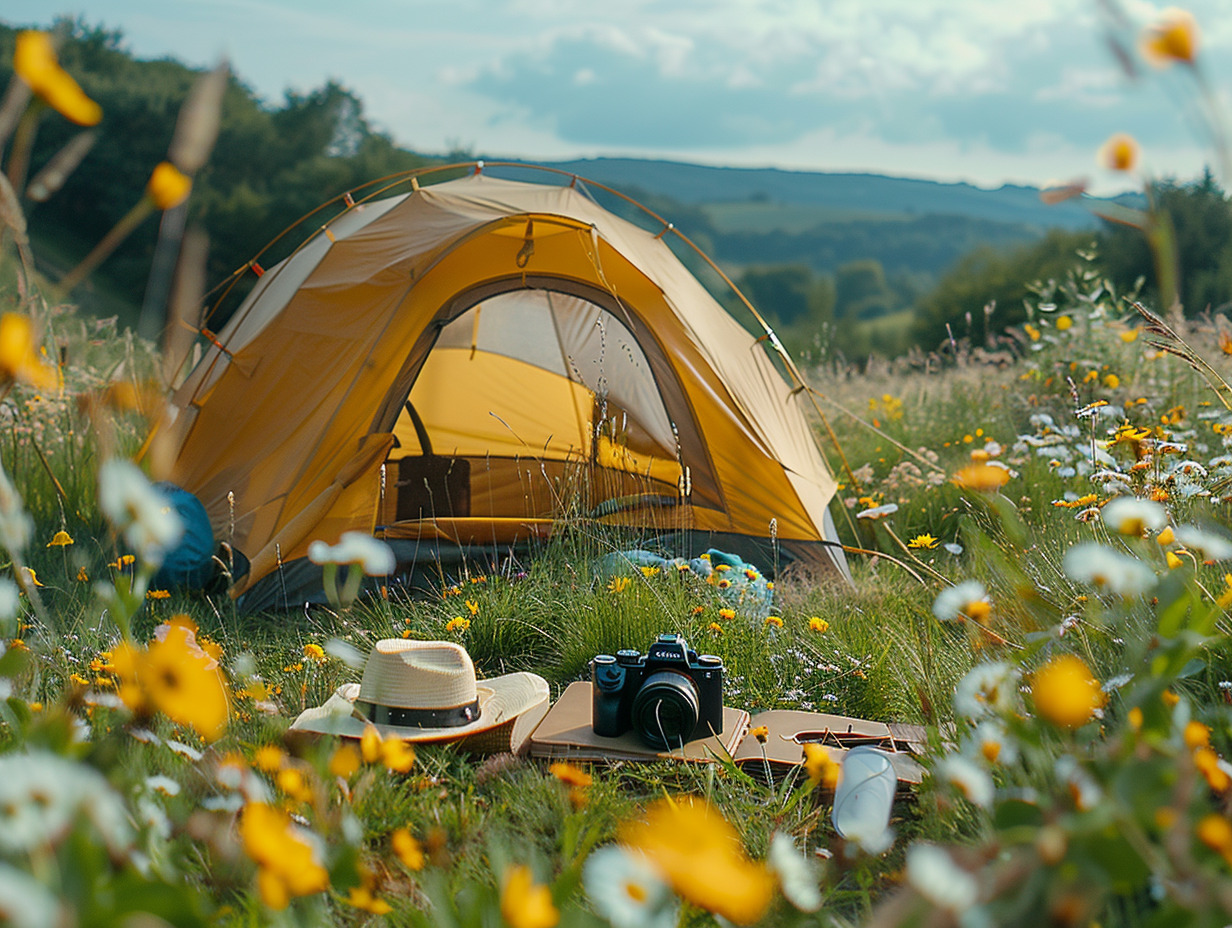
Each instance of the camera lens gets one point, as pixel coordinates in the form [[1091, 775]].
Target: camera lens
[[665, 709]]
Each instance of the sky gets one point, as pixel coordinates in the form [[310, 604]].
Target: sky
[[983, 91]]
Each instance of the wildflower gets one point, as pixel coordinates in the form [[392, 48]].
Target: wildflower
[[457, 624], [35, 62], [292, 783], [1063, 323], [29, 576], [991, 742], [60, 539], [314, 652], [968, 599], [1215, 832], [618, 584], [409, 850], [878, 512], [774, 621], [472, 607], [1130, 335], [822, 769], [177, 678], [525, 904], [1196, 735], [1132, 516], [715, 627], [761, 733], [82, 575], [648, 571], [1213, 547], [818, 624], [1212, 769], [727, 613], [16, 526], [570, 775], [43, 794], [344, 761], [1167, 536], [373, 555], [269, 757], [1107, 570], [796, 876], [982, 477], [973, 782], [1119, 152], [1032, 332], [626, 889], [1065, 692], [363, 898], [168, 186], [700, 855], [397, 755], [1171, 39], [158, 594], [935, 876], [987, 688], [1112, 381], [287, 857], [137, 509], [923, 541]]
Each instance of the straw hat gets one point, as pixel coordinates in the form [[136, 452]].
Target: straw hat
[[426, 691]]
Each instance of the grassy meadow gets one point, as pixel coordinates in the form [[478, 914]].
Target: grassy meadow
[[1039, 543]]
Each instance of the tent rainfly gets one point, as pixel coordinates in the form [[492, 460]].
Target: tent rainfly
[[459, 367]]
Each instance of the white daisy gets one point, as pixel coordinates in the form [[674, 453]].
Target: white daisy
[[988, 688], [373, 555], [972, 781], [990, 742], [25, 902], [16, 526], [627, 890], [1134, 516], [1213, 547], [137, 509], [1108, 571], [797, 877], [956, 600], [934, 875]]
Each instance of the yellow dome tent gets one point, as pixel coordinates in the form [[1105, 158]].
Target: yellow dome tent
[[459, 366]]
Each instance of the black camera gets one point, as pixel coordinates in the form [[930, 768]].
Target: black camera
[[669, 695]]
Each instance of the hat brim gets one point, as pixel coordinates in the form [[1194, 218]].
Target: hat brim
[[501, 700]]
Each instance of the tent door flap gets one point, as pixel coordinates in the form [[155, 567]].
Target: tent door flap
[[427, 487]]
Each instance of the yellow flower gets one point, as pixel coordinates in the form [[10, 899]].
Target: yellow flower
[[701, 857], [1207, 762], [774, 620], [821, 768], [1167, 536], [1119, 152], [727, 613], [18, 359], [314, 652], [409, 851], [1065, 692], [457, 624], [291, 781], [1112, 381], [648, 571], [923, 541], [818, 624], [158, 594], [525, 904], [176, 677], [30, 576], [82, 575], [344, 761], [287, 860], [570, 775], [618, 584], [370, 744], [982, 477], [1197, 735], [35, 61], [1063, 323], [1032, 332], [1135, 718], [362, 897], [715, 627], [168, 187], [1173, 560], [761, 733], [472, 607], [60, 539], [1170, 39], [269, 757], [1130, 335], [1215, 832], [397, 755]]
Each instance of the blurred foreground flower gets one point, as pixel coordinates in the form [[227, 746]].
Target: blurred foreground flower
[[1129, 515], [1171, 39], [1065, 692], [19, 361], [1119, 152], [627, 890], [524, 903], [136, 508], [701, 856], [168, 186], [985, 478], [968, 600], [287, 857], [1107, 570], [35, 62], [175, 677]]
